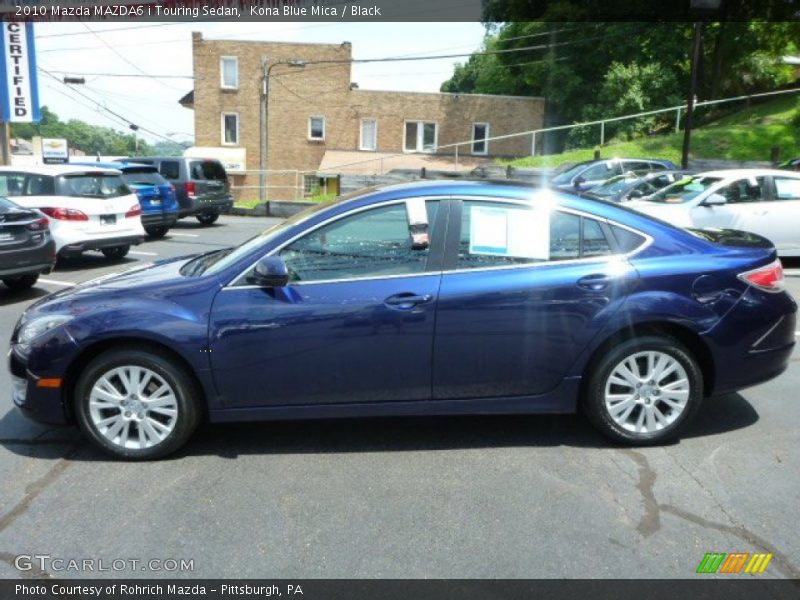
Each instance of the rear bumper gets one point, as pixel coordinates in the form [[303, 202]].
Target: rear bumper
[[98, 244], [39, 259], [213, 206], [167, 219]]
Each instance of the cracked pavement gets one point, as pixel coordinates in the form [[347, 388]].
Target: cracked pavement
[[486, 497]]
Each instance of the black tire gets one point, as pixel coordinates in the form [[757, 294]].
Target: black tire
[[116, 252], [599, 373], [156, 231], [207, 218], [183, 387], [19, 283]]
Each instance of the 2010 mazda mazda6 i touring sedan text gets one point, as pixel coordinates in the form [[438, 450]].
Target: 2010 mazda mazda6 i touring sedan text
[[430, 298]]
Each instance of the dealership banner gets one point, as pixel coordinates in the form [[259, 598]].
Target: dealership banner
[[19, 90]]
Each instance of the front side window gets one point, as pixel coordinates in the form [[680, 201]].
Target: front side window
[[744, 190], [480, 143], [229, 72], [316, 128], [374, 243], [496, 235], [369, 135], [787, 188], [230, 129], [421, 136]]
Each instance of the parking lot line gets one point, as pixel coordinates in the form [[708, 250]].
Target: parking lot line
[[56, 282], [185, 234], [140, 253]]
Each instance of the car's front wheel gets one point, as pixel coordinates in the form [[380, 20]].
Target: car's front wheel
[[21, 282], [644, 390], [136, 404], [116, 252], [207, 218]]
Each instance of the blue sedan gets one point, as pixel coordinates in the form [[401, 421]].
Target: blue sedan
[[435, 298]]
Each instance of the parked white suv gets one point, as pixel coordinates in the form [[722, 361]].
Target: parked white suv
[[89, 208]]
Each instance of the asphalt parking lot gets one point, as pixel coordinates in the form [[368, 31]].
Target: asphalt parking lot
[[538, 496]]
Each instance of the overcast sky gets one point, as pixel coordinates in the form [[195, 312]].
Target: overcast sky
[[79, 49]]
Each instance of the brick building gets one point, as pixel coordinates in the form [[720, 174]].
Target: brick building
[[318, 119]]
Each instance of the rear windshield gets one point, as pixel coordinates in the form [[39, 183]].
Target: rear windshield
[[206, 169], [25, 184], [142, 176], [684, 190], [92, 185]]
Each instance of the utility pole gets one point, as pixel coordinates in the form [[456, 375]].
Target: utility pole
[[262, 173], [687, 122], [5, 141]]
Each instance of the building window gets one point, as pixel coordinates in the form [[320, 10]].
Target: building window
[[369, 135], [310, 185], [230, 129], [316, 128], [229, 72], [480, 141], [421, 136]]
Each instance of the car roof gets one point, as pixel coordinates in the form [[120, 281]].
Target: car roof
[[728, 173], [54, 170], [117, 166]]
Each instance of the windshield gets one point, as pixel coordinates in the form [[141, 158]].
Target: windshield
[[147, 176], [567, 175], [615, 185], [91, 185], [684, 190]]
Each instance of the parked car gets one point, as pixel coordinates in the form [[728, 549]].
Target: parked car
[[588, 174], [90, 208], [201, 185], [435, 298], [26, 246], [634, 185], [764, 201], [156, 195], [791, 165]]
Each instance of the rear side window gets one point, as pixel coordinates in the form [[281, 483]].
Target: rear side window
[[25, 184], [787, 188], [142, 177], [494, 234], [627, 240], [206, 169], [91, 185], [170, 169]]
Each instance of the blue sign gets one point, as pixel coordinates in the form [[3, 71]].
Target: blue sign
[[19, 85]]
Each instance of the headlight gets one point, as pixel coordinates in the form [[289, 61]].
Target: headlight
[[38, 326]]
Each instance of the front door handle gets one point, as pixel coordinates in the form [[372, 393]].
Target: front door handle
[[595, 283], [407, 300]]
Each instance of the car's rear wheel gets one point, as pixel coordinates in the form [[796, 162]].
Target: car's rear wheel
[[136, 404], [21, 282], [156, 231], [207, 218], [116, 252], [644, 390]]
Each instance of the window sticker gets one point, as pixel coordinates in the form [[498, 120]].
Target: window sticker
[[519, 233], [418, 223]]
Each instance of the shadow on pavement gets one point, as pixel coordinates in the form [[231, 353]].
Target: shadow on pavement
[[399, 434], [8, 296]]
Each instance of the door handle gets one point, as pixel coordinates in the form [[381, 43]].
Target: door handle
[[594, 283], [407, 300]]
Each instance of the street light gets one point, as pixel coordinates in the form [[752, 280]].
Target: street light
[[264, 154], [698, 8]]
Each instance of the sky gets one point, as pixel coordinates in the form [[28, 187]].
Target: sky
[[80, 49]]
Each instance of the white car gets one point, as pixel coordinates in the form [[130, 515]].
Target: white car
[[88, 208], [762, 201]]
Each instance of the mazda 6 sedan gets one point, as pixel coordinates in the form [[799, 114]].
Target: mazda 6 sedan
[[435, 298]]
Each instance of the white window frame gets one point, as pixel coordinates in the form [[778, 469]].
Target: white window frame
[[222, 84], [485, 140], [222, 128], [324, 128], [420, 147], [361, 135]]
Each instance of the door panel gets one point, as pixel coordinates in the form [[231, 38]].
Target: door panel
[[745, 206]]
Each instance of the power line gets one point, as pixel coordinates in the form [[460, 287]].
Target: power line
[[110, 30], [127, 75]]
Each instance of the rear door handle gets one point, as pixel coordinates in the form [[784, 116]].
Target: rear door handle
[[595, 283], [407, 300]]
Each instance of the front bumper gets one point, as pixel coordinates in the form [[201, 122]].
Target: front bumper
[[98, 244], [41, 404]]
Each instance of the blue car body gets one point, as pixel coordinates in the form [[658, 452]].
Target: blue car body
[[502, 340], [155, 194]]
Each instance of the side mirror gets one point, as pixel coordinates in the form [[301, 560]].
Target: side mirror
[[636, 194], [715, 200], [270, 271], [578, 181]]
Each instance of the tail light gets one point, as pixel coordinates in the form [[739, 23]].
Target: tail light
[[38, 224], [65, 214], [768, 278], [191, 189], [134, 211]]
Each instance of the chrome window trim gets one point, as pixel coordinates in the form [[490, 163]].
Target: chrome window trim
[[648, 241]]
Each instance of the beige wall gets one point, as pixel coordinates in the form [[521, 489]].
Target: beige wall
[[324, 89]]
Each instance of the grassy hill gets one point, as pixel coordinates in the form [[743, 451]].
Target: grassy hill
[[748, 134]]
